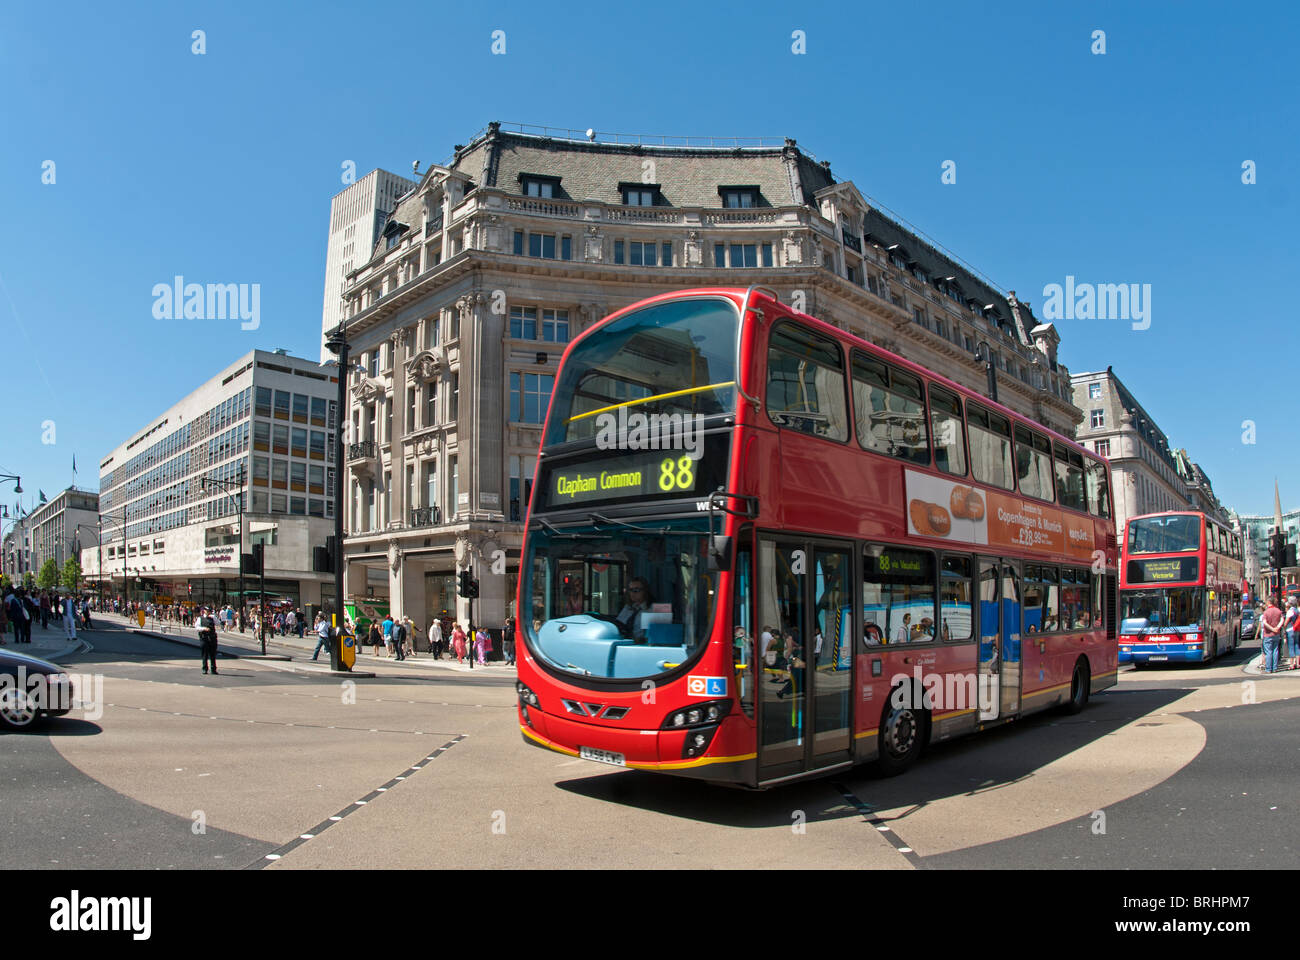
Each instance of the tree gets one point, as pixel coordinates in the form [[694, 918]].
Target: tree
[[5, 581], [71, 575], [29, 580], [49, 575]]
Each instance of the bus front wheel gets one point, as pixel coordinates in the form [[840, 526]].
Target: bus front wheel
[[1080, 684], [901, 737]]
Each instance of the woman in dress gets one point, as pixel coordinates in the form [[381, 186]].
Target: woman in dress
[[458, 643], [482, 644]]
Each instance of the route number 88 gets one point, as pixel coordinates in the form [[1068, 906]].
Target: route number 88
[[677, 475]]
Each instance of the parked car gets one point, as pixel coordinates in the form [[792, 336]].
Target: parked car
[[31, 689], [1248, 624]]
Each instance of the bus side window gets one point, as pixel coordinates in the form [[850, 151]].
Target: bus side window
[[805, 383], [949, 432]]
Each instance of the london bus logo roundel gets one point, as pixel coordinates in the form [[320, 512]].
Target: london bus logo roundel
[[706, 686]]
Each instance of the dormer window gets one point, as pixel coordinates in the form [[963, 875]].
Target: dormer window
[[639, 194], [738, 197], [536, 185]]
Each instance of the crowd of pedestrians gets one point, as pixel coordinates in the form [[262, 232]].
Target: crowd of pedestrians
[[20, 611], [1274, 626], [396, 638]]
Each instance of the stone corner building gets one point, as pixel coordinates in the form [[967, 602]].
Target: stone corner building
[[487, 269]]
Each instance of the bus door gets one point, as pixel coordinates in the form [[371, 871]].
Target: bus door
[[999, 651], [804, 696]]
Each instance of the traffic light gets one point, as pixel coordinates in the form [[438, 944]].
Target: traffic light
[[1288, 556], [468, 585], [253, 561]]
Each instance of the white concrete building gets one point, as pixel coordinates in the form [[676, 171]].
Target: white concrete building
[[57, 527], [357, 217], [269, 415]]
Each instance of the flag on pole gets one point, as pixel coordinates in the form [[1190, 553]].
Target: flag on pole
[[42, 493], [74, 464]]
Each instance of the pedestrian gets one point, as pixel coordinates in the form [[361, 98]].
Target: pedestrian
[[1270, 631], [397, 639], [482, 646], [45, 610], [375, 637], [208, 639], [70, 617], [85, 614], [322, 633], [4, 615], [409, 636], [20, 613], [508, 641], [458, 642], [435, 638], [302, 624], [387, 628]]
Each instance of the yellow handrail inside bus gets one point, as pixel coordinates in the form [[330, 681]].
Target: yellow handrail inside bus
[[657, 396]]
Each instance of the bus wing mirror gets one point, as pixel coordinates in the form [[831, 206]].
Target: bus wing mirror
[[719, 552]]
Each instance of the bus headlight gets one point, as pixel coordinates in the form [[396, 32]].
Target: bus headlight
[[711, 711], [526, 696], [697, 742]]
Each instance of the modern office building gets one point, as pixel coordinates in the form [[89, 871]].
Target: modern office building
[[60, 528], [264, 425], [357, 217], [486, 269]]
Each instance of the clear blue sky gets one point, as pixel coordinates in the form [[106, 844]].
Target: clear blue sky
[[1117, 168]]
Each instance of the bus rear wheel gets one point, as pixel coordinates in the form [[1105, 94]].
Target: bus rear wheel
[[901, 737], [1080, 685]]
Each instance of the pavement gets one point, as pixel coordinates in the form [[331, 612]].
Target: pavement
[[290, 647]]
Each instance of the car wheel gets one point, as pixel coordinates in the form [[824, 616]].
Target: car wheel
[[901, 737], [18, 709]]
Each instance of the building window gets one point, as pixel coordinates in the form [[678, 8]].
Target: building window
[[566, 248], [539, 187], [541, 245], [744, 255], [530, 395], [454, 490], [618, 251], [431, 483], [555, 326], [642, 254], [453, 412], [1097, 418], [523, 323], [1094, 391], [263, 408], [430, 403], [1103, 447], [719, 254], [666, 257], [918, 314], [739, 197], [643, 196]]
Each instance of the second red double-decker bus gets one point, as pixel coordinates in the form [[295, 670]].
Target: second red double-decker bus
[[760, 548], [1180, 589]]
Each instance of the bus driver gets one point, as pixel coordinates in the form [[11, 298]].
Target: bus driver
[[638, 601]]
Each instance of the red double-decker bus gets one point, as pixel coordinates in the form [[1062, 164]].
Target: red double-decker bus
[[1180, 589], [759, 548]]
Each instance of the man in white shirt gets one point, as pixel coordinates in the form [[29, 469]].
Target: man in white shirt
[[435, 638]]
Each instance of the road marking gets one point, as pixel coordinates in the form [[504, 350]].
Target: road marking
[[350, 808], [868, 814]]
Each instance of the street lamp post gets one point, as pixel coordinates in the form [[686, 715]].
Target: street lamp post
[[125, 574], [338, 344], [984, 354], [225, 485]]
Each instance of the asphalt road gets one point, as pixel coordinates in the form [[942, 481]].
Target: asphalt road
[[266, 765]]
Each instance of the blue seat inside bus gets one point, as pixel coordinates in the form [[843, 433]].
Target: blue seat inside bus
[[596, 646]]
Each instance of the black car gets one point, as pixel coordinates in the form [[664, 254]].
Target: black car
[[31, 689]]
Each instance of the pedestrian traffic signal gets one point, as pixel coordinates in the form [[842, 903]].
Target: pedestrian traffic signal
[[1288, 556], [468, 585]]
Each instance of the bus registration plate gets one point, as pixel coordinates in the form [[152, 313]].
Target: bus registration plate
[[602, 756], [1158, 656]]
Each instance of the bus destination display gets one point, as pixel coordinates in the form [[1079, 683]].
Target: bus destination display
[[652, 474]]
